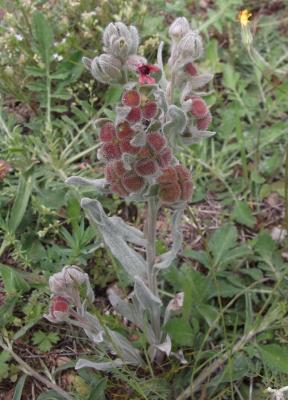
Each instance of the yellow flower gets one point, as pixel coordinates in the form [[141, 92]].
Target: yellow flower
[[244, 16]]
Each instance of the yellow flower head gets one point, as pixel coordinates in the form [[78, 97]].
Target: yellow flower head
[[244, 16]]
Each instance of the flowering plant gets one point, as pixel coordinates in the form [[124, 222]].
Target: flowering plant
[[157, 114]]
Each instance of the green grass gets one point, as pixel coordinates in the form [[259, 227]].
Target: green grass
[[233, 329]]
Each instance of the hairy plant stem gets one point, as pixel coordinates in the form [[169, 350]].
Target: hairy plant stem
[[30, 371], [151, 243], [152, 210]]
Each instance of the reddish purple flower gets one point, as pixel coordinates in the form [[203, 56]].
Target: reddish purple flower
[[175, 185], [59, 309], [116, 141], [156, 154], [122, 182], [141, 107], [199, 108], [203, 123], [144, 70]]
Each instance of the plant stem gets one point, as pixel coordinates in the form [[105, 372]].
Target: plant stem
[[151, 244], [30, 371], [150, 259]]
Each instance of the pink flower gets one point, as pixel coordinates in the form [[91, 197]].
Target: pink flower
[[59, 309], [155, 155], [144, 71], [123, 182], [175, 185], [141, 107], [116, 141]]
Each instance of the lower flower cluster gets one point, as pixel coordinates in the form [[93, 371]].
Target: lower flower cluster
[[131, 165]]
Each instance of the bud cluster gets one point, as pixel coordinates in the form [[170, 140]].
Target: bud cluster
[[186, 48]]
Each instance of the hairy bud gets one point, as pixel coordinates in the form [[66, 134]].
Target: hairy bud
[[190, 46], [179, 28], [120, 40], [68, 282], [106, 69], [203, 123]]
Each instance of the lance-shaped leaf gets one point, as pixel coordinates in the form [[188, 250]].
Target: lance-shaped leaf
[[176, 123], [128, 232], [114, 238], [146, 298], [100, 185], [195, 136], [163, 80], [99, 366], [124, 349], [166, 346], [133, 312], [174, 306], [167, 258], [196, 82]]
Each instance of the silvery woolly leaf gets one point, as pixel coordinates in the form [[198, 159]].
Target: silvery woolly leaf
[[161, 100], [132, 262], [122, 307], [196, 82], [174, 306], [139, 139], [146, 298], [196, 136], [121, 113], [99, 366], [100, 185], [128, 232], [163, 80], [180, 357], [176, 123], [124, 349], [167, 258], [166, 346], [132, 312]]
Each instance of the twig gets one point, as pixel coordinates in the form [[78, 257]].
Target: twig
[[30, 371]]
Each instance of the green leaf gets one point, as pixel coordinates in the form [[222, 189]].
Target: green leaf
[[45, 341], [230, 77], [20, 204], [209, 313], [265, 246], [180, 331], [43, 35], [222, 241], [19, 388], [13, 281], [243, 215], [275, 356], [4, 367]]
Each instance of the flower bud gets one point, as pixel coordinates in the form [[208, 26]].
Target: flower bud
[[190, 46], [179, 28], [120, 40], [59, 309], [68, 282], [203, 123], [199, 108], [105, 68]]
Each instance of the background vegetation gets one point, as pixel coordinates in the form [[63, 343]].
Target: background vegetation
[[233, 268]]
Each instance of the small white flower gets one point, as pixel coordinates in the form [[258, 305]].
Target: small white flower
[[57, 57], [19, 37]]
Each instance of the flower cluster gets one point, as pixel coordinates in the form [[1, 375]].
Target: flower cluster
[[186, 48], [135, 150]]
